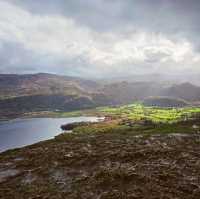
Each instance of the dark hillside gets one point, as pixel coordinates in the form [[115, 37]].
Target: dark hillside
[[185, 91], [165, 102], [42, 92], [125, 92]]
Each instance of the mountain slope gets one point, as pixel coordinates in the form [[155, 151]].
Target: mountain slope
[[41, 92], [43, 84], [186, 91], [124, 92], [164, 102]]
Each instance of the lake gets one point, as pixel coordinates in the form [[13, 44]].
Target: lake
[[22, 132]]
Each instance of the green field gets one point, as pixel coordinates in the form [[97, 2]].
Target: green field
[[141, 120], [138, 112], [135, 112]]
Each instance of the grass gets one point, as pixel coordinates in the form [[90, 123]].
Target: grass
[[138, 112], [134, 112], [107, 159], [118, 158], [130, 120]]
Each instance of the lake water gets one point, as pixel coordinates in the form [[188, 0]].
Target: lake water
[[22, 132]]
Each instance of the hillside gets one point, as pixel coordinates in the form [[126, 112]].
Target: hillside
[[43, 84], [42, 92], [125, 92], [107, 161], [165, 102], [48, 92], [185, 91]]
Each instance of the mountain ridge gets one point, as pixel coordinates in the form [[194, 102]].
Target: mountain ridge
[[43, 91]]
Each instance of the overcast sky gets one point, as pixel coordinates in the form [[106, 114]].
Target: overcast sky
[[100, 38]]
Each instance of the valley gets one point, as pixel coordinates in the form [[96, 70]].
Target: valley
[[99, 99], [147, 145], [116, 158], [48, 93]]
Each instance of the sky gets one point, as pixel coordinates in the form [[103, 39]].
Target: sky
[[100, 38]]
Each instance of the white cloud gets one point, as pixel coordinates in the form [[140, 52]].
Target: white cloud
[[61, 42]]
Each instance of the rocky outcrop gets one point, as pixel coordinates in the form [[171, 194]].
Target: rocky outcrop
[[71, 126]]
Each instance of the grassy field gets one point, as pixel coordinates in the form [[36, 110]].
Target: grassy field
[[138, 112], [134, 112], [141, 120]]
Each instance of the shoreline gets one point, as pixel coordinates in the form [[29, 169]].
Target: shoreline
[[57, 123], [54, 114]]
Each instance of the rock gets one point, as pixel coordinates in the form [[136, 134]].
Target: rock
[[71, 126], [6, 173], [29, 179], [194, 126]]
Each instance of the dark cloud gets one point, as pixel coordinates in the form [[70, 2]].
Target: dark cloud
[[13, 57], [170, 15], [174, 20]]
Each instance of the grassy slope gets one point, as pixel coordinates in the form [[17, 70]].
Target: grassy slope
[[107, 161], [140, 112], [110, 160]]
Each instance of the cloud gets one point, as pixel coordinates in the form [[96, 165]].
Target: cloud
[[99, 38], [171, 16]]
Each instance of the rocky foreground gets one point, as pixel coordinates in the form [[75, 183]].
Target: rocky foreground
[[108, 165]]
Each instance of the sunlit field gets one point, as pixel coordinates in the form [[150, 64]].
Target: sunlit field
[[139, 112]]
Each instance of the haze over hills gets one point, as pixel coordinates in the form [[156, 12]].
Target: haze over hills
[[185, 91], [169, 79], [42, 92], [164, 102]]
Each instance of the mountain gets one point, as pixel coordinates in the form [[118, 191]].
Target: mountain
[[125, 92], [165, 102], [43, 84], [170, 79], [48, 92], [186, 91]]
